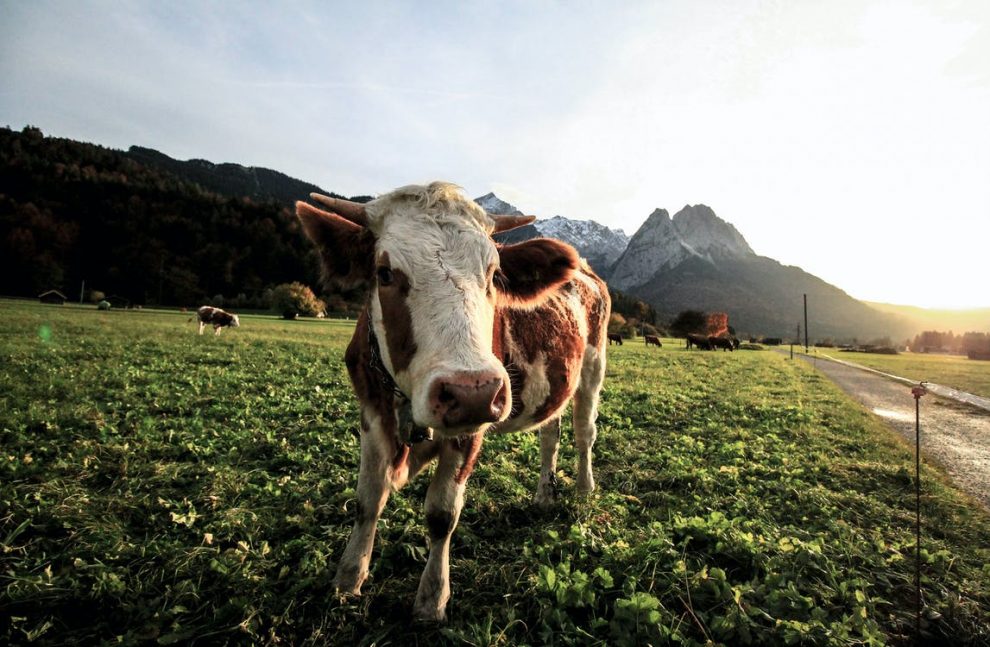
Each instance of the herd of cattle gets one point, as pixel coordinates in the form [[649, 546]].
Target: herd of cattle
[[701, 342], [712, 342], [220, 319]]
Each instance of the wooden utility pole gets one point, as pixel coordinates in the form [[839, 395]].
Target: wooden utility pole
[[806, 323]]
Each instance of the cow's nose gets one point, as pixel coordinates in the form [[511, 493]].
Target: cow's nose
[[468, 398]]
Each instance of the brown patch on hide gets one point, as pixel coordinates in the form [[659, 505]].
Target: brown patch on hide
[[563, 374], [396, 317], [347, 249], [549, 333], [549, 336], [517, 374], [470, 448], [366, 381], [533, 269]]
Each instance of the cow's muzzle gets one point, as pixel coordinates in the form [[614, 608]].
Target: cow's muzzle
[[468, 398]]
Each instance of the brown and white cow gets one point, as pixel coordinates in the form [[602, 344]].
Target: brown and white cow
[[217, 317], [460, 338]]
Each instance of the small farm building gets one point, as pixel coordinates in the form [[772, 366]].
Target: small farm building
[[52, 296]]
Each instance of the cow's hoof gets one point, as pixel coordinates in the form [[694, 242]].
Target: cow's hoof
[[349, 584], [429, 615], [586, 485], [544, 500]]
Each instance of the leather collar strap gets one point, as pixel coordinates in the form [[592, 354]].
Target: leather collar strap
[[409, 432]]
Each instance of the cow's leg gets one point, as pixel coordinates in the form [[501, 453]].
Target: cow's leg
[[585, 414], [546, 489], [216, 330], [201, 326], [444, 500], [420, 455], [378, 452]]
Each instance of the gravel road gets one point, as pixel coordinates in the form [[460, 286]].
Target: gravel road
[[956, 435]]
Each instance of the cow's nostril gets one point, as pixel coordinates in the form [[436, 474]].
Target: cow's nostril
[[498, 402], [469, 398]]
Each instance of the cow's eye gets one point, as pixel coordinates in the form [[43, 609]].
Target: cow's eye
[[490, 282], [385, 276], [500, 280]]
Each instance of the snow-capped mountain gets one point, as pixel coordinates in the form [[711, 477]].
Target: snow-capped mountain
[[597, 243]]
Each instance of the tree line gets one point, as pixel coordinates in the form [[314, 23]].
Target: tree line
[[73, 212], [158, 231], [934, 341]]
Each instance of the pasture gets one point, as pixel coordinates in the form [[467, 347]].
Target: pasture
[[161, 487], [956, 371]]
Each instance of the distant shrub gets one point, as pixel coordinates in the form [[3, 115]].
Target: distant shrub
[[96, 296], [103, 305], [689, 321], [295, 299]]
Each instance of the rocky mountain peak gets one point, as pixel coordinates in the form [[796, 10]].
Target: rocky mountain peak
[[663, 243], [708, 234], [493, 204], [657, 215]]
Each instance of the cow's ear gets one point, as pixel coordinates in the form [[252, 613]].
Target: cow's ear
[[347, 249], [531, 269]]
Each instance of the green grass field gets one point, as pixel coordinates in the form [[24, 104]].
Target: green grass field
[[157, 487], [972, 376]]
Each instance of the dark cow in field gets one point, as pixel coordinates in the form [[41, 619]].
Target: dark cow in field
[[614, 338], [725, 342], [217, 317], [652, 340], [702, 342], [460, 337]]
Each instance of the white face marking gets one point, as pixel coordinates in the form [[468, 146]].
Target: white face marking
[[448, 260]]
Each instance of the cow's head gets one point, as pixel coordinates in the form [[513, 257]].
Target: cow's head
[[435, 278], [235, 321]]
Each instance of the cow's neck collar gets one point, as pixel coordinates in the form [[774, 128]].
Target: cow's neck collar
[[408, 431]]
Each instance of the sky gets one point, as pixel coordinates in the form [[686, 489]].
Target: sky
[[850, 138]]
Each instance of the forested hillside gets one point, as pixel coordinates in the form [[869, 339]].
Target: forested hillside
[[71, 211]]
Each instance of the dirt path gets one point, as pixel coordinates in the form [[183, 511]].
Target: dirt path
[[955, 435]]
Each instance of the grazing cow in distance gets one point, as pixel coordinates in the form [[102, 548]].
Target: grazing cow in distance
[[725, 342], [702, 342], [614, 338], [217, 317], [652, 340], [459, 338]]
